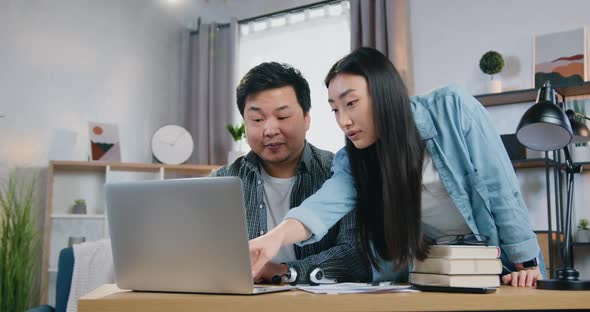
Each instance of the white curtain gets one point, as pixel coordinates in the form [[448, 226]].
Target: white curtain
[[311, 41]]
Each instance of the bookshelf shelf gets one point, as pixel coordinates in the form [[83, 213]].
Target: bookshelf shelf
[[529, 95]]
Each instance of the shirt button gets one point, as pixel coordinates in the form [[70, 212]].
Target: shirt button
[[259, 182], [261, 206], [261, 232]]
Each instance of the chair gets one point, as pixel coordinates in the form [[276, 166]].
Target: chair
[[65, 269]]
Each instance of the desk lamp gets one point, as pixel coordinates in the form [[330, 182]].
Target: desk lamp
[[545, 127]]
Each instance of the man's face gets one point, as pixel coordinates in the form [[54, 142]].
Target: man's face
[[275, 125]]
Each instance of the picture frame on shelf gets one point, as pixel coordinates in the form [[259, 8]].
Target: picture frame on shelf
[[560, 58], [104, 142]]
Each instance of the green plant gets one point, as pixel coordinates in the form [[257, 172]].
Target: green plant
[[583, 224], [238, 132], [491, 63], [80, 202], [19, 270]]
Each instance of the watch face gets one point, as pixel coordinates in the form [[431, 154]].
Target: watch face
[[172, 145], [530, 264]]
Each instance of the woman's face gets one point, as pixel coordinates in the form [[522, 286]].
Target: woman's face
[[351, 103]]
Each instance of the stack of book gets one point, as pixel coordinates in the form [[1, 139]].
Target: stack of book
[[459, 266]]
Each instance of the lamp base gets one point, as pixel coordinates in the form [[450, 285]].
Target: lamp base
[[567, 279]]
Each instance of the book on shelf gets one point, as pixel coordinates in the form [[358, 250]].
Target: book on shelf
[[479, 280], [464, 252], [458, 266]]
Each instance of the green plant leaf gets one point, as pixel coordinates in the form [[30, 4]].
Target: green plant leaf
[[19, 239], [491, 63], [237, 132]]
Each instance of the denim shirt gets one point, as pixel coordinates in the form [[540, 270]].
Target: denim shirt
[[473, 166]]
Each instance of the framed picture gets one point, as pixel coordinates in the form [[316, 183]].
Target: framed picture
[[104, 141], [560, 58]]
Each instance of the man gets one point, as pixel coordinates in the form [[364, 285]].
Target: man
[[283, 169]]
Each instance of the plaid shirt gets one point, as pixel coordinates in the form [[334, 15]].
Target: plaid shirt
[[338, 253]]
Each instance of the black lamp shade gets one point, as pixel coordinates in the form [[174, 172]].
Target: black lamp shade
[[544, 126]]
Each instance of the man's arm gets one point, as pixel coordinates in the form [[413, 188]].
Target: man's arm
[[344, 260]]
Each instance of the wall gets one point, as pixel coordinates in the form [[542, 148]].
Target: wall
[[68, 62], [64, 63], [448, 38]]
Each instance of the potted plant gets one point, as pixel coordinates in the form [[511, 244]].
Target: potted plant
[[583, 233], [79, 206], [238, 132], [19, 238], [492, 63]]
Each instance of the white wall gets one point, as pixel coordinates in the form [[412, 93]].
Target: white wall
[[68, 62], [448, 38]]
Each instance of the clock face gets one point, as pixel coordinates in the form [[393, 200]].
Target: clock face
[[172, 145]]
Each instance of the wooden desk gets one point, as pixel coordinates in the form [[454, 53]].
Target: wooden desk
[[109, 298]]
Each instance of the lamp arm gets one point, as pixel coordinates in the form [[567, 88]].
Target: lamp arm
[[568, 158], [571, 112], [582, 115]]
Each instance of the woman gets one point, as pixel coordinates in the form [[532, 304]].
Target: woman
[[415, 169]]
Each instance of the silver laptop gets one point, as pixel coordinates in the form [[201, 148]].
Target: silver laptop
[[181, 235]]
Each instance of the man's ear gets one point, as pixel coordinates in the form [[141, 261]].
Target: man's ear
[[307, 119]]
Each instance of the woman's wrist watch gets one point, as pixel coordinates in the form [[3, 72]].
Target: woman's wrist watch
[[527, 265]]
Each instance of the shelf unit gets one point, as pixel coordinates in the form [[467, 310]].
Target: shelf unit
[[69, 180], [529, 95], [540, 163]]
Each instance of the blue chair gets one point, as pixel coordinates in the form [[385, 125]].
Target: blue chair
[[65, 269]]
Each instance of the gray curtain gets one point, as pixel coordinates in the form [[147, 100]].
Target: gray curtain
[[208, 89], [384, 25]]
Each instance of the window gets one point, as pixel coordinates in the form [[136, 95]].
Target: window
[[311, 41]]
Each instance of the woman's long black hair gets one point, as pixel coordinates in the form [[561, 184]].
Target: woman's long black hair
[[387, 174]]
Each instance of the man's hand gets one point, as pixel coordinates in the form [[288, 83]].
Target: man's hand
[[522, 278], [269, 270]]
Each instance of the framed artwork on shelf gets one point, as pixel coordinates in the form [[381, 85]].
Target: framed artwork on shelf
[[104, 142], [560, 58]]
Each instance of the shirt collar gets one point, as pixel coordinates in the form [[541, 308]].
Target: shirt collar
[[422, 118]]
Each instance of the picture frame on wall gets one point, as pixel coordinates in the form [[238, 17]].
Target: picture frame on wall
[[104, 142], [560, 58]]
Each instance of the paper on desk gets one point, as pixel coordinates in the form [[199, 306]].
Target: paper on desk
[[355, 288]]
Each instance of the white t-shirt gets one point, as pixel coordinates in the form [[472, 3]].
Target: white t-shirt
[[277, 198], [440, 217]]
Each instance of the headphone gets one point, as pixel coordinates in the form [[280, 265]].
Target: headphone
[[289, 277], [317, 276]]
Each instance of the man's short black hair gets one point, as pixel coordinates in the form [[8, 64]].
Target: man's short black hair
[[272, 75]]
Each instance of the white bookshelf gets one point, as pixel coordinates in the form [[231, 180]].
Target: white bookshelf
[[71, 180]]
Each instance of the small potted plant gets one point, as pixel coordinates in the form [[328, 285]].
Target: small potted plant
[[79, 206], [492, 63], [583, 233], [238, 132]]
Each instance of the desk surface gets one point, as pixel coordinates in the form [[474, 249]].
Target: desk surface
[[109, 298]]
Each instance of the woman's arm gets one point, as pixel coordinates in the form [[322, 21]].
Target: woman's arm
[[312, 219], [500, 187]]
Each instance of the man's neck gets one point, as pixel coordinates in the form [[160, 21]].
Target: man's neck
[[282, 170]]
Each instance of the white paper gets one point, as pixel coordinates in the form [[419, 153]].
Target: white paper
[[356, 288]]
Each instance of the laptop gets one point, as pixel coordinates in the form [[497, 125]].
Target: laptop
[[181, 235]]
